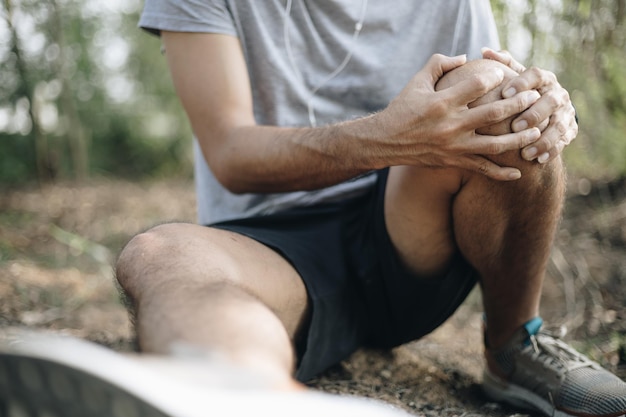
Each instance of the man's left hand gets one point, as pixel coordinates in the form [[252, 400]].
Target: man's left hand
[[554, 106]]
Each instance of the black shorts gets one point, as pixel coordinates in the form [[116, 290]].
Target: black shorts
[[360, 292]]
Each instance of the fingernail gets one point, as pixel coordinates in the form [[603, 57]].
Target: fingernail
[[530, 153], [510, 92], [533, 95], [520, 125], [515, 175], [543, 158]]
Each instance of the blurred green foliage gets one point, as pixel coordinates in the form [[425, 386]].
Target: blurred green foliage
[[84, 92], [584, 43]]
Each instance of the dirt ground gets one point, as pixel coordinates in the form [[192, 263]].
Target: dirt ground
[[58, 242]]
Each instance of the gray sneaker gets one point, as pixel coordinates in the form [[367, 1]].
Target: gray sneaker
[[537, 371]]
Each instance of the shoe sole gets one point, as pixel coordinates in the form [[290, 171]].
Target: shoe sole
[[517, 396], [49, 375], [36, 387]]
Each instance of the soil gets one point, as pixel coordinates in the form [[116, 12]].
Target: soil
[[58, 242]]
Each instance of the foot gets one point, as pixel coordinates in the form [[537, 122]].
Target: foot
[[537, 371], [47, 374]]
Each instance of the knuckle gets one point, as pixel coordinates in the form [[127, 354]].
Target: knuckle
[[553, 100], [447, 135], [438, 108], [483, 168], [533, 117], [548, 139], [556, 100], [529, 136], [570, 108], [536, 72], [558, 125], [548, 77], [562, 127], [551, 77], [496, 113], [545, 77], [522, 103], [494, 148], [481, 83]]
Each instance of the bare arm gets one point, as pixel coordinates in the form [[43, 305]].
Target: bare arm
[[211, 80], [420, 127]]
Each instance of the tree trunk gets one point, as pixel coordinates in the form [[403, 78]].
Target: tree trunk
[[76, 134], [46, 166]]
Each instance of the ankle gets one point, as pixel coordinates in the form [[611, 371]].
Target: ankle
[[497, 356], [497, 338]]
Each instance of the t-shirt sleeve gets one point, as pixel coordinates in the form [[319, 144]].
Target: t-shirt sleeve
[[203, 16]]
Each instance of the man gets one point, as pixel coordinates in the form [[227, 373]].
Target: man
[[350, 203]]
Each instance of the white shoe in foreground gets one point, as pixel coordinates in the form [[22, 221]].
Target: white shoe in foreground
[[46, 374]]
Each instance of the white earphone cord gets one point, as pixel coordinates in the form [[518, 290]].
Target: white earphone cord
[[357, 30]]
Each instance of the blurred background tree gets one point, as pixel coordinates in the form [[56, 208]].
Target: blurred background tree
[[84, 92]]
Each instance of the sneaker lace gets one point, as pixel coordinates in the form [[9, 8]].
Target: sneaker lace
[[548, 348]]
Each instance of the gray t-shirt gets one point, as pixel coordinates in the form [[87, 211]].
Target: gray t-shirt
[[396, 40]]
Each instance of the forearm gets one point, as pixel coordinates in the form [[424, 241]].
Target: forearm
[[264, 159]]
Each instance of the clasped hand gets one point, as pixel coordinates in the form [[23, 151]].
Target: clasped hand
[[437, 128], [554, 105]]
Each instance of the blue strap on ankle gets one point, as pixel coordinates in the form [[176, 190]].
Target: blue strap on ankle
[[532, 327]]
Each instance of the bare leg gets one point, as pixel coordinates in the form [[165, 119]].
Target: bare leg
[[505, 230], [214, 290], [517, 224]]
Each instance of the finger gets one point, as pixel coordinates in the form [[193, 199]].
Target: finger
[[496, 145], [549, 103], [473, 87], [560, 133], [532, 78], [490, 169], [546, 157], [439, 64], [497, 111], [503, 57]]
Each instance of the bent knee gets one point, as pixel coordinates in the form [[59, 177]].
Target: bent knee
[[548, 175], [155, 254], [143, 254], [167, 253]]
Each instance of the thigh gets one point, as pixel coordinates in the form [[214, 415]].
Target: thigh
[[177, 254], [402, 303], [312, 239], [267, 275], [418, 216]]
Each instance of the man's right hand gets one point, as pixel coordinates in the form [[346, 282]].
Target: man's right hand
[[437, 129]]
